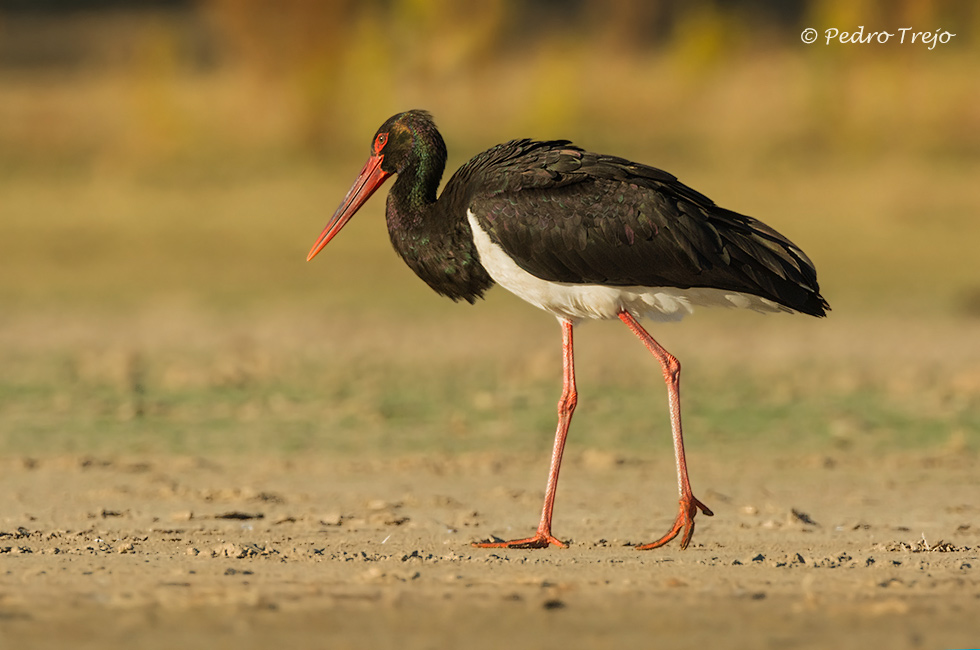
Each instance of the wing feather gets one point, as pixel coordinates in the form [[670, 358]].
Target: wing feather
[[568, 215]]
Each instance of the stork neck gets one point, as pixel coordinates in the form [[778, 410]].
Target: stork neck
[[415, 190]]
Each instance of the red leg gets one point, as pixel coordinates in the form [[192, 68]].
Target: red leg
[[566, 406], [689, 505]]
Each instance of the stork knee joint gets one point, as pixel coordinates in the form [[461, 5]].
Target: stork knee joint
[[567, 403]]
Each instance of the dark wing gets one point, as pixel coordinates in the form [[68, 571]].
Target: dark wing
[[567, 215]]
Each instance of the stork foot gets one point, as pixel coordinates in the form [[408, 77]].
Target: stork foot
[[689, 507], [540, 540]]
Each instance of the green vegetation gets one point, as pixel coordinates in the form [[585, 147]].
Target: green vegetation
[[487, 379]]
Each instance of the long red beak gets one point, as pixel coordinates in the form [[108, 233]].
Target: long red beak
[[370, 179]]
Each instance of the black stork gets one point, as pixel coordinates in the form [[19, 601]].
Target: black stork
[[580, 235]]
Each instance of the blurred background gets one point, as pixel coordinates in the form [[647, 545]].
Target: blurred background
[[166, 165]]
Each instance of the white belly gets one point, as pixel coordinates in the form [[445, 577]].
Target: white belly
[[578, 301]]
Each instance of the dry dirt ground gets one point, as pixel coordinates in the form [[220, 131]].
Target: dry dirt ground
[[841, 550]]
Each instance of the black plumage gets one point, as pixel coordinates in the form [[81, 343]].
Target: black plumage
[[568, 215]]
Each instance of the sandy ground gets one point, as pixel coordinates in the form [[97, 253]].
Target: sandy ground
[[840, 550]]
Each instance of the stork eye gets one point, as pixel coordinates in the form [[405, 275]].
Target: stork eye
[[380, 142]]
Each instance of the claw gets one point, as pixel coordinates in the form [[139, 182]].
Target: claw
[[689, 507], [540, 540]]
